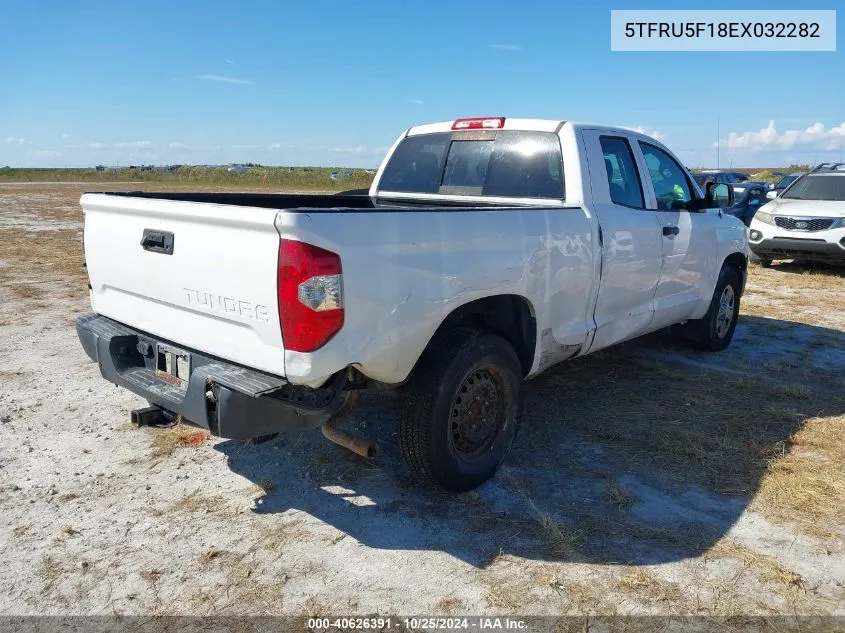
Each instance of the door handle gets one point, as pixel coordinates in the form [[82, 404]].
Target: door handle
[[157, 241], [671, 230]]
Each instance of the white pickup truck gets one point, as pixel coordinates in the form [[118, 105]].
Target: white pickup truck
[[485, 251]]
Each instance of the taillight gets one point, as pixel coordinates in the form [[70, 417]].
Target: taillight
[[310, 286], [479, 123]]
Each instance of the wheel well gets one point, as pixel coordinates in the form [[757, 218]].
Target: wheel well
[[736, 260], [511, 316]]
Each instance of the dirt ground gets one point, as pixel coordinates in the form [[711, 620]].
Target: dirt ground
[[648, 479]]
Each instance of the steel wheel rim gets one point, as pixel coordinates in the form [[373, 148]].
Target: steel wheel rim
[[725, 316], [478, 413]]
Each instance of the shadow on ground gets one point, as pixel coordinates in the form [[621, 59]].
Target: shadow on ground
[[643, 454]]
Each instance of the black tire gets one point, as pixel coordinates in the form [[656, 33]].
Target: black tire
[[714, 331], [447, 438], [765, 262]]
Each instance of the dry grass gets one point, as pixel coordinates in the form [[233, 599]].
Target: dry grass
[[252, 595], [558, 540], [806, 485], [618, 495], [195, 502], [277, 535], [151, 575], [584, 599], [636, 580], [507, 597], [265, 486], [449, 605], [26, 291], [212, 553], [313, 608], [51, 569], [728, 434], [51, 258], [794, 293], [782, 580], [646, 586], [166, 441]]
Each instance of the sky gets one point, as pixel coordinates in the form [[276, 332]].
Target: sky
[[334, 83]]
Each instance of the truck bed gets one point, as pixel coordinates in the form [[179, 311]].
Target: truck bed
[[314, 202]]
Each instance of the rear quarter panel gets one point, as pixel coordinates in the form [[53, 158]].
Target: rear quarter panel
[[405, 271]]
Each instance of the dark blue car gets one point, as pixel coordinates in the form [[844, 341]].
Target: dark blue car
[[747, 202]]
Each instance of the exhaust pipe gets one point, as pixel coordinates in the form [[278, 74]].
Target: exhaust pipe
[[358, 445]]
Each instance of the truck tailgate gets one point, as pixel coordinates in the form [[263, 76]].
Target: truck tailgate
[[204, 276]]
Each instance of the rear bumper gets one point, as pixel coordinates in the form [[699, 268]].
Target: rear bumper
[[788, 248], [229, 400]]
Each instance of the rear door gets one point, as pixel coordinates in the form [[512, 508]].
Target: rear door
[[631, 245], [688, 238], [200, 275]]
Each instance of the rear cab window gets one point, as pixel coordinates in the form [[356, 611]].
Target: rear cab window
[[623, 178], [494, 163]]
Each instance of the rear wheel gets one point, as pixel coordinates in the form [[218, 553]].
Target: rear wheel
[[715, 330], [462, 409]]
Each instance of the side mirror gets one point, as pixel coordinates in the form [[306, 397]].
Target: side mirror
[[771, 195], [719, 195]]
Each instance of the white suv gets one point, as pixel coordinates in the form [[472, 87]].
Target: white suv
[[806, 221]]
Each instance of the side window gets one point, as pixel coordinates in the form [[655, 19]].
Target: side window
[[671, 185], [756, 197], [623, 179]]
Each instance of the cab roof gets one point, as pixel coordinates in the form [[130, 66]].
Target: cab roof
[[533, 125]]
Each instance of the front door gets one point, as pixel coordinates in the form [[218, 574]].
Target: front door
[[687, 238]]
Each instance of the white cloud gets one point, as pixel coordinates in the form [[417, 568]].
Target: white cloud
[[505, 47], [273, 147], [47, 153], [655, 134], [247, 146], [65, 135], [358, 149], [814, 138], [225, 79], [134, 145], [17, 140], [95, 146], [416, 101]]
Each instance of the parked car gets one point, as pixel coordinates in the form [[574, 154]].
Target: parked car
[[807, 221], [730, 177], [747, 203], [486, 251], [737, 180], [778, 188]]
